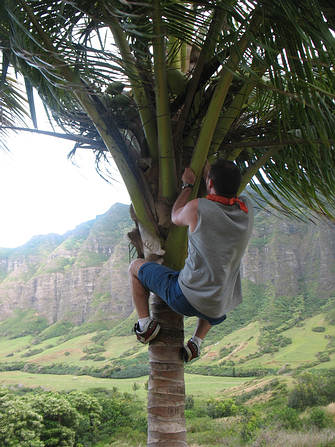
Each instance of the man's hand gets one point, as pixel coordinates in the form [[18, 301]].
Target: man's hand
[[188, 176]]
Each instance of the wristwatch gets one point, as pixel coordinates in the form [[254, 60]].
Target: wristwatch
[[186, 185]]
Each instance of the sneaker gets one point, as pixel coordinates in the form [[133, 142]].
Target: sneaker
[[149, 334], [190, 351]]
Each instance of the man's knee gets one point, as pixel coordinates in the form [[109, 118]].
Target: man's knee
[[135, 266]]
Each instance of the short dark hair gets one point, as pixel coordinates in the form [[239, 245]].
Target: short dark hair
[[226, 177]]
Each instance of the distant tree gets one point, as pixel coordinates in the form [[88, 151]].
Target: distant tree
[[20, 424], [90, 412], [312, 390], [160, 85], [60, 419]]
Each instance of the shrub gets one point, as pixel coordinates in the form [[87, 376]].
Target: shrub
[[136, 386], [32, 352], [101, 337], [320, 418], [93, 349], [250, 424], [221, 408], [189, 402], [13, 366], [305, 393], [288, 418], [270, 341], [227, 350], [94, 357], [42, 419], [119, 411], [21, 424], [312, 390], [90, 412], [318, 329], [60, 419], [323, 356]]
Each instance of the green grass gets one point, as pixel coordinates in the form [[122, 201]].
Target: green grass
[[118, 346], [235, 347], [244, 340], [305, 345], [197, 385], [55, 382], [8, 346], [114, 348], [74, 346], [206, 386]]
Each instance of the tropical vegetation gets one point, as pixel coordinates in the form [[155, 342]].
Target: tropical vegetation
[[264, 413], [160, 85]]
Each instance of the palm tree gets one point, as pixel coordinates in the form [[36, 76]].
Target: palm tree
[[160, 85]]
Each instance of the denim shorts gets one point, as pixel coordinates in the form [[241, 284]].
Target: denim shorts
[[163, 281]]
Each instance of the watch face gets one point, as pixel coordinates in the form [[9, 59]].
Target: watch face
[[186, 185]]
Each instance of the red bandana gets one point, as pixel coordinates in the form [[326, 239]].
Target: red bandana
[[228, 201]]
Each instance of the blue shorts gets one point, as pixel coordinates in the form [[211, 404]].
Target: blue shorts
[[163, 281]]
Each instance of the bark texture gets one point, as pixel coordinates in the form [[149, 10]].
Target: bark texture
[[166, 399]]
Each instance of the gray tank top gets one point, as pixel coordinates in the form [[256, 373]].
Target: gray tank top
[[210, 279]]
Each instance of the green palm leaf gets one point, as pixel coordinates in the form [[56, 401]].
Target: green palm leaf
[[292, 73]]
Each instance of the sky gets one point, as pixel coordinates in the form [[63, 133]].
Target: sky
[[42, 192]]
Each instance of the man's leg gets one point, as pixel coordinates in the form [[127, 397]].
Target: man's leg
[[140, 293], [192, 349], [202, 328], [145, 329]]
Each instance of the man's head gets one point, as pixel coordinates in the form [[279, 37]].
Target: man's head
[[225, 177]]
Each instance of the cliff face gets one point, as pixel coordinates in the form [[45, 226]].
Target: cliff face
[[83, 275], [79, 276], [293, 256]]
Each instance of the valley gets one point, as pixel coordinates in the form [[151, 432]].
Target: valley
[[66, 328]]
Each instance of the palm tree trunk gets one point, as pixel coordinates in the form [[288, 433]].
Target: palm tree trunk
[[166, 398], [166, 387]]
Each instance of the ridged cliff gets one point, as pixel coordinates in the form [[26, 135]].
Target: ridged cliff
[[293, 256], [82, 275], [79, 276]]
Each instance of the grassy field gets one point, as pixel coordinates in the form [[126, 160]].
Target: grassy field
[[241, 343], [55, 350], [233, 349], [197, 385], [305, 346]]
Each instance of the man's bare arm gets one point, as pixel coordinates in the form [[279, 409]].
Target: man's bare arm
[[185, 213]]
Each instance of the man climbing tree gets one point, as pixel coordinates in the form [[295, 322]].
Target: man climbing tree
[[209, 285]]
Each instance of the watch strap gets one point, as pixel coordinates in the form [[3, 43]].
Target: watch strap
[[186, 185]]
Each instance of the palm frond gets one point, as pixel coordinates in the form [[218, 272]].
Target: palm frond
[[291, 99]]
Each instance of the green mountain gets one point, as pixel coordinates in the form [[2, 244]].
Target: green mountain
[[80, 276], [66, 305]]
